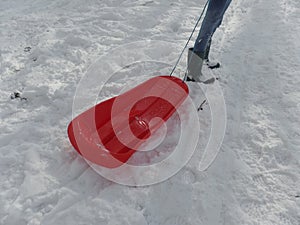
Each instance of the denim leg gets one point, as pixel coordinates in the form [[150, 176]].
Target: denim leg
[[212, 20]]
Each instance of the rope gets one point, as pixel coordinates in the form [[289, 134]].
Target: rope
[[176, 64]]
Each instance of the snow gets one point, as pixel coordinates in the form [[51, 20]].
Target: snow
[[46, 48]]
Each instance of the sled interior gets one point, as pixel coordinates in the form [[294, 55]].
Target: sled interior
[[111, 131]]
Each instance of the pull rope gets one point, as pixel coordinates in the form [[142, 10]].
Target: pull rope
[[176, 64]]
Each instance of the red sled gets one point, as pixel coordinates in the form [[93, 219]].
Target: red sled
[[109, 133]]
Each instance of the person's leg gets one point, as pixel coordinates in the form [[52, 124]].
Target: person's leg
[[206, 52], [212, 20], [196, 55]]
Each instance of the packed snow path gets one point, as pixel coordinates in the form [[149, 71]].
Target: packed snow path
[[47, 46]]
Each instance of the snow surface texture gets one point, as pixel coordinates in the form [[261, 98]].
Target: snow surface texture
[[47, 46]]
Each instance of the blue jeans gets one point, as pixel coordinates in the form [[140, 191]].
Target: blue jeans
[[212, 20]]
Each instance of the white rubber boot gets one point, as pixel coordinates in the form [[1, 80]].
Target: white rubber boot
[[194, 68]]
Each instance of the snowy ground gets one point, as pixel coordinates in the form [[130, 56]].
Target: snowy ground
[[47, 46]]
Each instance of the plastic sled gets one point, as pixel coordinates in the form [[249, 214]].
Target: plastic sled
[[109, 133]]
